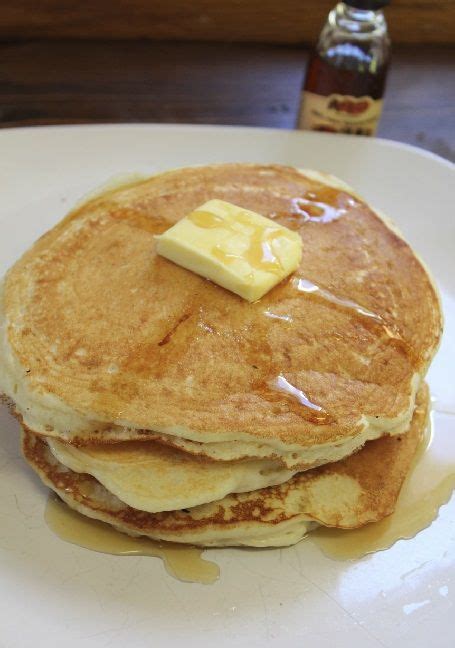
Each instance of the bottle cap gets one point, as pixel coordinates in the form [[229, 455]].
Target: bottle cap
[[367, 4]]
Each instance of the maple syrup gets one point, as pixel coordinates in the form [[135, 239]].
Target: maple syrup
[[346, 74], [305, 286], [428, 486], [259, 254], [283, 385], [206, 219], [317, 211], [181, 561]]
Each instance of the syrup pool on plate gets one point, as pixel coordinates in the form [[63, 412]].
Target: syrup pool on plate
[[181, 561], [428, 486]]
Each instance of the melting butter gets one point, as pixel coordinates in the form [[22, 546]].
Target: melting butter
[[234, 247], [259, 254], [181, 561]]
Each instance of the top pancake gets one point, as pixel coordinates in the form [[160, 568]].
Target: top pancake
[[99, 330]]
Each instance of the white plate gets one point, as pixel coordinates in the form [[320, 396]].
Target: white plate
[[53, 592]]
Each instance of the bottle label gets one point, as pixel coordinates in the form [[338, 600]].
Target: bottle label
[[340, 113]]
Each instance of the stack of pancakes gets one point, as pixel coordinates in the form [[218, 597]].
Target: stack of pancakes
[[167, 406]]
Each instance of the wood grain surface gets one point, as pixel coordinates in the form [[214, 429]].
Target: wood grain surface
[[267, 21], [256, 85]]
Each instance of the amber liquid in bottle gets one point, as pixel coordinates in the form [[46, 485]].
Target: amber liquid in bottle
[[324, 78], [346, 75]]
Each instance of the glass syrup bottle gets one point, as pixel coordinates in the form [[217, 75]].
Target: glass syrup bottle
[[346, 73]]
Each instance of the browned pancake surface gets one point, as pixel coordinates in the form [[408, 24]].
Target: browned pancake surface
[[121, 334]]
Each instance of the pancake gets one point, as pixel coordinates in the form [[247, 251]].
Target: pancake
[[103, 341], [356, 491], [153, 478]]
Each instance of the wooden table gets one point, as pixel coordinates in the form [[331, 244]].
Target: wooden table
[[56, 82]]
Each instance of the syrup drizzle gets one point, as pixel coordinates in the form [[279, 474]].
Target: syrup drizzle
[[315, 211], [323, 205], [305, 286], [259, 253], [206, 219], [277, 316], [392, 333], [283, 385]]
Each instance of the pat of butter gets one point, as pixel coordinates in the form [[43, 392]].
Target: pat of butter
[[234, 247]]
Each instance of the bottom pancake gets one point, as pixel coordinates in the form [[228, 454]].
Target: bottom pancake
[[347, 494]]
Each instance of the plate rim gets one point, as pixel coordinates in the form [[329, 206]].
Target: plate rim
[[381, 141]]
